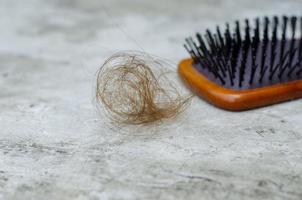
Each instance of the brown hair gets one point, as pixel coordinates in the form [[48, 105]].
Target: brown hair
[[132, 93]]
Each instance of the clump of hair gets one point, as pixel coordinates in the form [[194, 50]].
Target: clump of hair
[[132, 93]]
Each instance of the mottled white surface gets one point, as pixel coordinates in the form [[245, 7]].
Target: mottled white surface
[[55, 145]]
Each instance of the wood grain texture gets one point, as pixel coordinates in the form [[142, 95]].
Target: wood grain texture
[[237, 100]]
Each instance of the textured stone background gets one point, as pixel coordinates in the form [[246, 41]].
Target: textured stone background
[[55, 145]]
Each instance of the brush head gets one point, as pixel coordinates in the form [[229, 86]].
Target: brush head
[[257, 64], [268, 52]]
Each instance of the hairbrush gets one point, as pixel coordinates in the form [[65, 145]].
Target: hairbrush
[[253, 64]]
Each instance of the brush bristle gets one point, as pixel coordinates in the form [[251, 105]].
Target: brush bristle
[[250, 60]]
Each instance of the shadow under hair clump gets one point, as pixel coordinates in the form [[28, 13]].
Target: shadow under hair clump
[[131, 93]]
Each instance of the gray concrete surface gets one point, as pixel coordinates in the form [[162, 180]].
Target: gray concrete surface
[[55, 145]]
